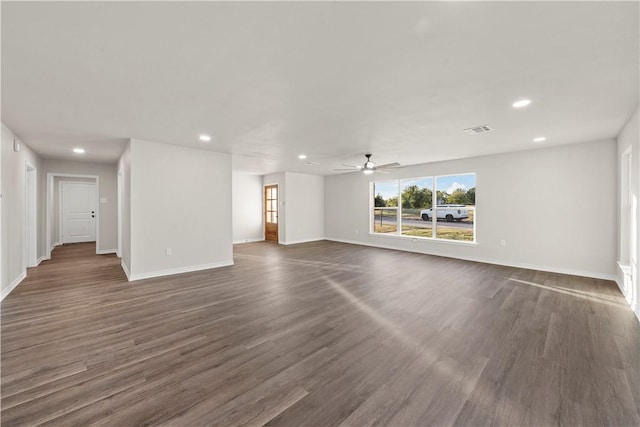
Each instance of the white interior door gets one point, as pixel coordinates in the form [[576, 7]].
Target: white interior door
[[78, 212]]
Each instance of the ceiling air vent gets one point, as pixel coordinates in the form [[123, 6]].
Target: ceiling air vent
[[478, 129]]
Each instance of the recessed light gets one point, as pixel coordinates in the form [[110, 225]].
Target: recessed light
[[302, 156], [521, 103], [78, 150], [205, 138], [539, 139]]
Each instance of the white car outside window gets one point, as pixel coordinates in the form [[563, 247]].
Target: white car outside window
[[449, 213]]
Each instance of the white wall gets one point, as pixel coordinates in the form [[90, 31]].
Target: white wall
[[247, 201], [555, 207], [107, 212], [300, 206], [629, 138], [2, 230], [304, 208], [124, 167], [13, 211], [279, 178], [180, 199]]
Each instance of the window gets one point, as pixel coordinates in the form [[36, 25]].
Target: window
[[271, 204], [385, 207], [456, 207], [416, 195], [441, 207]]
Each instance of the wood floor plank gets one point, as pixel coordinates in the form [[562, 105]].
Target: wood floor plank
[[316, 334]]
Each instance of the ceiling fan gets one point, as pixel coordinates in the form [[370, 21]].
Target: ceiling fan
[[369, 167]]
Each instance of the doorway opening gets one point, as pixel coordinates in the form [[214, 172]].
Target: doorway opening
[[73, 213], [628, 250], [271, 213], [632, 296], [31, 216]]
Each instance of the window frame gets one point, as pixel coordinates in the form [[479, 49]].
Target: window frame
[[434, 203], [372, 209]]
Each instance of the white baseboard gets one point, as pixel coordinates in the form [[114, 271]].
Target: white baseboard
[[295, 242], [48, 255], [624, 274], [236, 242], [179, 270], [126, 270], [13, 285], [569, 271], [624, 270], [105, 251], [39, 260], [634, 308]]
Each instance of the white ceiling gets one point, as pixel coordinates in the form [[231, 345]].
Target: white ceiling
[[332, 80]]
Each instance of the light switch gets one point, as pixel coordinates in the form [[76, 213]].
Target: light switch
[[103, 200]]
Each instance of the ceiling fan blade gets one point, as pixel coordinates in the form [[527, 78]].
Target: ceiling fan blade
[[390, 165], [341, 169], [351, 166], [378, 170]]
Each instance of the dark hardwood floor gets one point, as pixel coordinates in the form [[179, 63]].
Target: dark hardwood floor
[[317, 334]]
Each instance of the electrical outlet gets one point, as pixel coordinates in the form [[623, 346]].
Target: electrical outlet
[[503, 242], [168, 251]]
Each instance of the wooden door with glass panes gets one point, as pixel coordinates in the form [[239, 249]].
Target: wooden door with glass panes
[[271, 213]]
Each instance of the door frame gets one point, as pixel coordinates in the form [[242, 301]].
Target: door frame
[[120, 193], [30, 258], [61, 184], [51, 193]]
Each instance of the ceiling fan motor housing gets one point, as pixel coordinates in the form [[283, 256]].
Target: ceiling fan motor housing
[[369, 164]]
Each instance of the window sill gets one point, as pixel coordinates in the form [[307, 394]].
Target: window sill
[[425, 239]]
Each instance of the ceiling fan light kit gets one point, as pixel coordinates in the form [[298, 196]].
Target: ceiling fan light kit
[[369, 167]]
